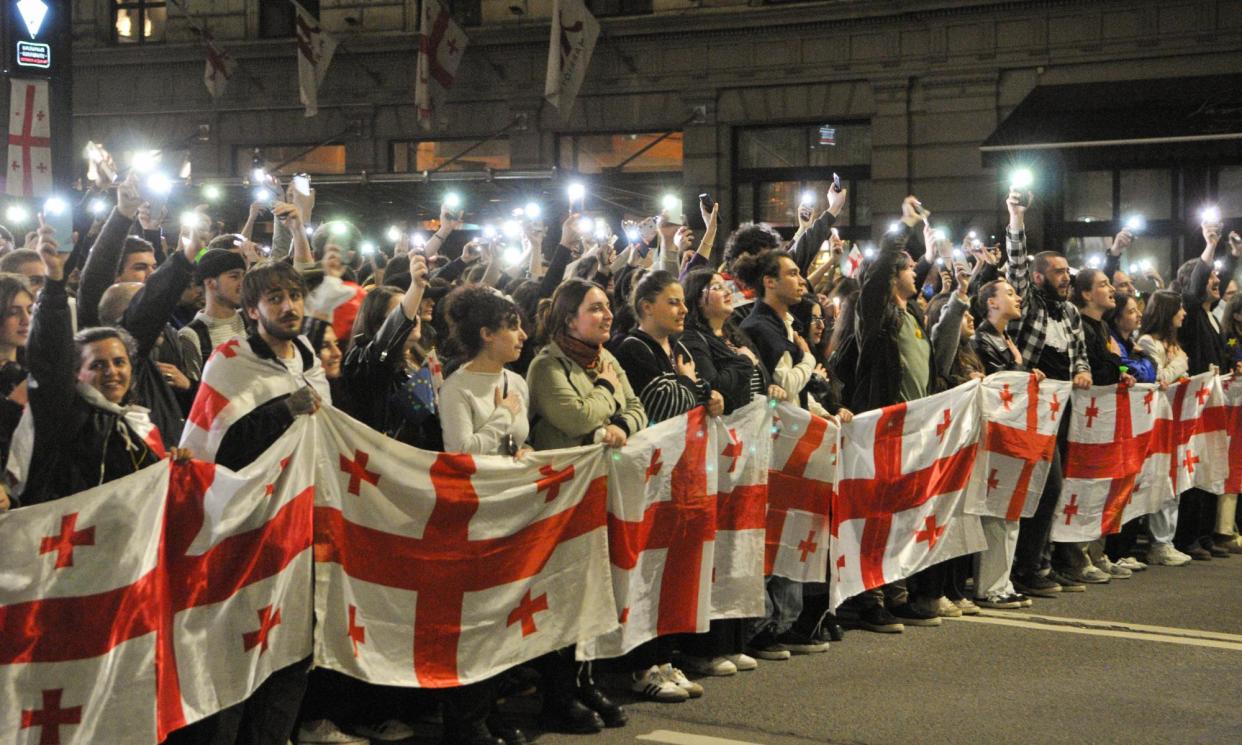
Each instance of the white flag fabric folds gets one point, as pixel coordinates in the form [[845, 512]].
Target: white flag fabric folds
[[315, 50], [800, 488], [441, 44], [744, 450], [574, 33], [30, 139], [1230, 418], [441, 569], [219, 68], [1020, 420], [110, 599], [899, 503]]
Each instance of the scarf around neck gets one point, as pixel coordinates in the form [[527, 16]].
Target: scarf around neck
[[585, 355]]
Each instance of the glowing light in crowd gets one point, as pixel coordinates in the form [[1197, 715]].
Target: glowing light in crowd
[[489, 231], [212, 193], [532, 211], [191, 219], [958, 255], [972, 235], [940, 234], [894, 226], [338, 228], [98, 206], [16, 214], [808, 198], [367, 248], [452, 200], [301, 184], [1136, 223], [1021, 178], [671, 204], [159, 184], [632, 235], [418, 239], [310, 230], [512, 255], [1145, 264], [868, 252], [144, 161], [576, 192], [1095, 261], [393, 234], [258, 175], [263, 194], [585, 225], [602, 230], [511, 228], [1210, 215], [1134, 268], [54, 206]]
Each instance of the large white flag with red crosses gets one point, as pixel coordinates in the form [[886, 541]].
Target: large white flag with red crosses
[[145, 604], [661, 532], [235, 382], [440, 569], [30, 140], [315, 50], [1115, 437], [441, 44], [1198, 434], [898, 507], [744, 450], [1230, 417], [1020, 419], [800, 478]]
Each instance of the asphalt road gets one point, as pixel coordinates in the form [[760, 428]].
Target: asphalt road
[[1152, 659]]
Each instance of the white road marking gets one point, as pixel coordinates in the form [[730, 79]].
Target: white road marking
[[685, 738], [1109, 629], [1119, 625]]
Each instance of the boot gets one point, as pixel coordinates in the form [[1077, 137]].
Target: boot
[[590, 695]]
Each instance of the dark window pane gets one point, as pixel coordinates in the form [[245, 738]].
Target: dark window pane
[[1089, 196], [596, 153], [1148, 193], [604, 8], [427, 155]]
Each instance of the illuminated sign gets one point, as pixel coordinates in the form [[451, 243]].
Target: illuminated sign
[[34, 54], [33, 12]]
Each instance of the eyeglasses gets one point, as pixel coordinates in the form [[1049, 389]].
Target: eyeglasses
[[817, 321], [716, 287]]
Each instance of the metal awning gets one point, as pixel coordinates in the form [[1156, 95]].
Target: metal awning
[[1165, 118]]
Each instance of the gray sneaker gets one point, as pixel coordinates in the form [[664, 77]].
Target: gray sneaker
[[1093, 575]]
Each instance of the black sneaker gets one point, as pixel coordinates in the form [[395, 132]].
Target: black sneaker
[[765, 647], [878, 619], [1036, 586], [1007, 602], [829, 629], [799, 643], [912, 616], [1067, 584]]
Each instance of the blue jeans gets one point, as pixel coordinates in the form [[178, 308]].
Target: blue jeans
[[782, 604]]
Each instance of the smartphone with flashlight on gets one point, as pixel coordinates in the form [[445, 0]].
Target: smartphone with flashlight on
[[705, 201], [301, 184], [836, 182]]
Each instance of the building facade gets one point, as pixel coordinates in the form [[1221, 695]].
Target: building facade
[[750, 102]]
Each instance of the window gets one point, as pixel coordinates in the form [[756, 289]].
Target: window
[[323, 159], [777, 165], [139, 21], [606, 8], [277, 17], [466, 12], [1228, 192], [639, 152], [427, 155]]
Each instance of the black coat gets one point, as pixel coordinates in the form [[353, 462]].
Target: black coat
[[1204, 345], [721, 367]]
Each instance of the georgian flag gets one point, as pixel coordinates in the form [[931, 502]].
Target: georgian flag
[[219, 68], [1114, 432], [235, 382], [145, 604], [853, 262], [898, 506], [661, 532], [1199, 436], [441, 44], [1020, 420], [29, 167], [315, 50], [574, 33], [1231, 418], [443, 569], [800, 487], [743, 453]]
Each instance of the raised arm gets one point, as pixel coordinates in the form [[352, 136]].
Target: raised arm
[[104, 259]]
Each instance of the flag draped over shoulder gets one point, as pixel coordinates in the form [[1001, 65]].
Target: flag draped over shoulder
[[574, 33], [441, 44]]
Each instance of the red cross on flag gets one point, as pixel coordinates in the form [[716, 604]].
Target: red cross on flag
[[219, 68], [441, 569], [743, 453], [574, 33], [1019, 437], [234, 382], [1199, 439], [800, 478], [30, 140], [1231, 418], [1114, 439], [441, 44], [661, 532], [135, 608], [315, 50], [853, 262], [899, 503]]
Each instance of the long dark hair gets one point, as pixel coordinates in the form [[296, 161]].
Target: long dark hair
[[649, 288], [1162, 306], [372, 312], [1111, 316], [564, 306]]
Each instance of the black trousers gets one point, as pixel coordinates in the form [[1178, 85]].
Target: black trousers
[[1196, 519], [266, 718]]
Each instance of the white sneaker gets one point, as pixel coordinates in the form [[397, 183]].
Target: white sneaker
[[1131, 563], [742, 661], [967, 607], [679, 678], [389, 731], [320, 731], [1165, 555], [946, 608], [716, 666], [652, 684]]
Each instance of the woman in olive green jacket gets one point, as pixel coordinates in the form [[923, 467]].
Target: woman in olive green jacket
[[578, 393]]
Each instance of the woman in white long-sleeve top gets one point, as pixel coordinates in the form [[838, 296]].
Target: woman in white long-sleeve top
[[483, 405]]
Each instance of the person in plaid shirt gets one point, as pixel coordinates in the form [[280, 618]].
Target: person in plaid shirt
[[1050, 338]]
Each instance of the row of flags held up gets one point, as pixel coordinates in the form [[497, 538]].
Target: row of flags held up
[[441, 45]]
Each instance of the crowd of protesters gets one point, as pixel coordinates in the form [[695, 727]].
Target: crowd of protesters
[[579, 337]]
